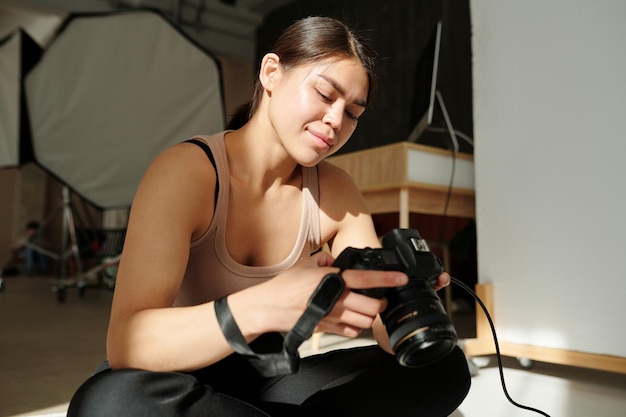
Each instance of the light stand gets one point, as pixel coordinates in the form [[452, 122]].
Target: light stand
[[446, 118], [69, 244]]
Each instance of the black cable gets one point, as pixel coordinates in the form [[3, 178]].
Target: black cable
[[454, 146], [495, 341], [458, 133], [448, 196]]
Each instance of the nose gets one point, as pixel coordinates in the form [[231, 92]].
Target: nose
[[334, 116]]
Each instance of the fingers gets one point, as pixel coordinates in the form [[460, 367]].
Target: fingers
[[362, 279], [353, 319], [341, 329], [352, 313], [442, 281], [363, 304]]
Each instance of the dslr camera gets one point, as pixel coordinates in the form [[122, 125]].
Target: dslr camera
[[420, 331]]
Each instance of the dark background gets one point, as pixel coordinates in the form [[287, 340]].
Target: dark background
[[399, 31]]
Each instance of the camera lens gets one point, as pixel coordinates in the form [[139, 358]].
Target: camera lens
[[419, 330]]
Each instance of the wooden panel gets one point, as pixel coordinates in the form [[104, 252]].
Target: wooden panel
[[383, 201], [423, 199], [429, 199], [382, 174], [375, 168], [483, 344]]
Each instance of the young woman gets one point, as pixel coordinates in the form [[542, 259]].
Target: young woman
[[240, 216]]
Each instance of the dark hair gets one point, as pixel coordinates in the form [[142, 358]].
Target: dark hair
[[312, 39], [240, 117]]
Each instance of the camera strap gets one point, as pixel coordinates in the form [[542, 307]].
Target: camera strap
[[286, 361]]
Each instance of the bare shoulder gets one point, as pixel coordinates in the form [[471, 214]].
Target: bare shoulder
[[180, 168], [336, 178], [345, 217], [338, 190], [179, 182], [182, 159]]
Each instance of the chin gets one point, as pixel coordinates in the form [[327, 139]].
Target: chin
[[309, 163], [310, 159]]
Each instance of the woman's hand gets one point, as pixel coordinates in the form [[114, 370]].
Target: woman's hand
[[284, 298], [289, 292], [354, 312], [442, 281]]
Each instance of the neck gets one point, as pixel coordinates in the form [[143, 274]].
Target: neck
[[258, 159]]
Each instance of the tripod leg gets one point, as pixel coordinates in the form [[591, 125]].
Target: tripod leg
[[73, 241], [70, 249]]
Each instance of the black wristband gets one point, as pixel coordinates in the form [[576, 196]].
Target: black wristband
[[287, 361], [229, 328]]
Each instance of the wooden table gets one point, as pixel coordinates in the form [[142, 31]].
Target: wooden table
[[405, 177]]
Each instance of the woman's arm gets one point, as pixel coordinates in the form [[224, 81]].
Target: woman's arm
[[344, 208], [349, 223], [346, 220], [172, 205]]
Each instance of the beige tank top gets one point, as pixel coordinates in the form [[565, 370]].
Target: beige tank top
[[211, 272]]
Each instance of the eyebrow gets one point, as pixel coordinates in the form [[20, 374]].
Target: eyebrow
[[340, 89]]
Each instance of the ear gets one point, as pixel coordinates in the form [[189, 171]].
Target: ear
[[270, 71]]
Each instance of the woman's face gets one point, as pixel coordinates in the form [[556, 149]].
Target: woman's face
[[314, 108]]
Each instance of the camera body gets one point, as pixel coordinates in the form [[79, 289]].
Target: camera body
[[420, 331]]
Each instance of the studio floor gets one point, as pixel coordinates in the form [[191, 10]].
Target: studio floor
[[48, 348]]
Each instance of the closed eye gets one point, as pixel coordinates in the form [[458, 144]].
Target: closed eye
[[324, 97], [352, 116], [327, 99]]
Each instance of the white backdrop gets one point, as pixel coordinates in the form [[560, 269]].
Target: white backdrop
[[9, 99], [549, 110], [21, 31], [110, 93]]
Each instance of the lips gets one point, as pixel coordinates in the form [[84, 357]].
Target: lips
[[322, 141]]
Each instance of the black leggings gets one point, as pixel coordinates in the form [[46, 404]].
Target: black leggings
[[360, 382]]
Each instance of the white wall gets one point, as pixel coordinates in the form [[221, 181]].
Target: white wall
[[550, 157]]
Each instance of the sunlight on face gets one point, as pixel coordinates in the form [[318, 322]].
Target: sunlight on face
[[320, 104]]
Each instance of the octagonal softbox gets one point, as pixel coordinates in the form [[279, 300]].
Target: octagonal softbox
[[18, 54], [110, 93], [9, 100]]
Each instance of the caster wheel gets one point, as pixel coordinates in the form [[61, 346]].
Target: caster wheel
[[2, 286], [473, 368], [481, 361], [526, 363], [81, 291]]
